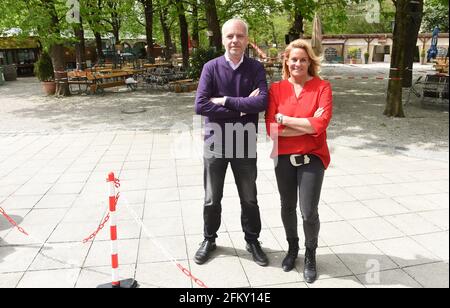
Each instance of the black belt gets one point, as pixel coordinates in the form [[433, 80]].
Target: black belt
[[298, 160]]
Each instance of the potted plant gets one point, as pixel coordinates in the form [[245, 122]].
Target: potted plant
[[273, 54], [366, 57], [423, 55], [43, 70], [353, 52]]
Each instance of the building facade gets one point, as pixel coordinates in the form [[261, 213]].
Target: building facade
[[339, 48]]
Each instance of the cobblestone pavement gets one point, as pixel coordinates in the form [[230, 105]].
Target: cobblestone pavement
[[384, 205]]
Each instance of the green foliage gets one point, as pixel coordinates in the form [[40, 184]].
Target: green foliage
[[43, 68], [352, 52], [435, 14], [199, 58], [423, 53], [273, 52], [352, 18]]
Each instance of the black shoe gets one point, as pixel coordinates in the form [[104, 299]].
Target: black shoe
[[203, 253], [289, 261], [310, 271], [258, 254]]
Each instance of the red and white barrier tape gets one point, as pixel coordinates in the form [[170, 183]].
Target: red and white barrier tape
[[161, 248], [359, 77], [12, 222]]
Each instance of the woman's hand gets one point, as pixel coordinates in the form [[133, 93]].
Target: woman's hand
[[318, 112]]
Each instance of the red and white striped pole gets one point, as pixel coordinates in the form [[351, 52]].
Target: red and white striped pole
[[116, 282], [113, 231]]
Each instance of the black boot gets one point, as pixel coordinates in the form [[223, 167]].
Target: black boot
[[310, 271], [289, 261]]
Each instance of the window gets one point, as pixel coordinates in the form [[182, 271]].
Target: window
[[26, 56], [330, 54]]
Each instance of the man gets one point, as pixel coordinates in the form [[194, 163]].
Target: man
[[232, 92]]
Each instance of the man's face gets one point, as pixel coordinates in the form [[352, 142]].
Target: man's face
[[234, 39]]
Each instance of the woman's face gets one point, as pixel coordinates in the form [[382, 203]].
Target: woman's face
[[298, 63]]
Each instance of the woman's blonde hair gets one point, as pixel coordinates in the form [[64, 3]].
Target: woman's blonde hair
[[314, 66]]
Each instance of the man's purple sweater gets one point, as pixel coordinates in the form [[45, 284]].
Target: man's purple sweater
[[218, 79]]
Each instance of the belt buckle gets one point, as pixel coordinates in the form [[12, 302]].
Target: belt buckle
[[306, 160]]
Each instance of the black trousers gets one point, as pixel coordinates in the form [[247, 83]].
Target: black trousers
[[245, 174], [304, 183]]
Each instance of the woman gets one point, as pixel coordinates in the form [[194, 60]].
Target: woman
[[300, 109]]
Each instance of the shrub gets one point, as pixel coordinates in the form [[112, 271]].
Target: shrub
[[423, 53], [352, 52], [43, 68], [199, 58], [273, 52]]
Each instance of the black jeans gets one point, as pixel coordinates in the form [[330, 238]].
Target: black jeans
[[245, 174], [306, 182]]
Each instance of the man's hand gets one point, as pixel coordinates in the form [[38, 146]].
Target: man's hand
[[221, 100], [218, 100], [254, 93]]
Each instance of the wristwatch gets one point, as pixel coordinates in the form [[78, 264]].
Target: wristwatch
[[279, 118]]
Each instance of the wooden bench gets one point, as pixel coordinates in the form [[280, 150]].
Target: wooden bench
[[184, 85], [97, 82], [441, 65]]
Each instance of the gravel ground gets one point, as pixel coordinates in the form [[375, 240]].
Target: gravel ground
[[358, 112]]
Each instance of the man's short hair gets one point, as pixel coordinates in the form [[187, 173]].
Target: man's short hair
[[243, 22]]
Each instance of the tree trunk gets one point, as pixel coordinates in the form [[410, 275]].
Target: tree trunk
[[99, 45], [115, 21], [274, 35], [170, 48], [80, 48], [195, 26], [57, 55], [296, 31], [394, 106], [213, 24], [414, 19], [148, 10], [116, 34], [184, 34]]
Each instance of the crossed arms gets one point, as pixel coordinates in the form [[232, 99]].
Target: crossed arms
[[230, 107]]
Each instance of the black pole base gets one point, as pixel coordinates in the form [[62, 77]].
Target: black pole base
[[124, 284]]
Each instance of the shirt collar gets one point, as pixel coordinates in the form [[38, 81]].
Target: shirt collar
[[233, 66]]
